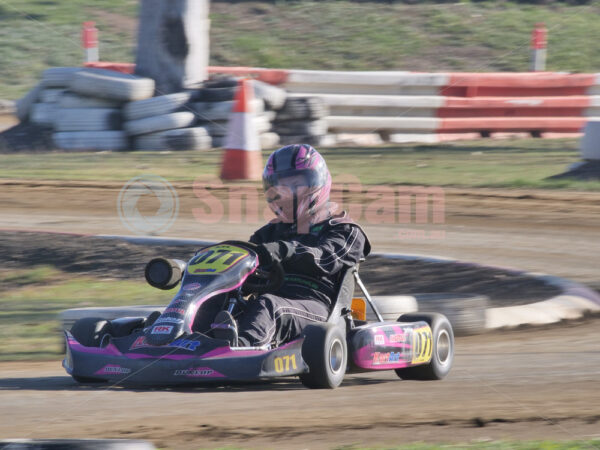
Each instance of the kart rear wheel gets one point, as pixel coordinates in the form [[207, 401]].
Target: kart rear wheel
[[443, 348], [90, 331], [326, 353]]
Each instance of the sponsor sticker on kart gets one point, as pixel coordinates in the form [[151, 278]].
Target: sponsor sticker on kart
[[198, 372], [379, 339], [183, 344], [397, 338], [192, 286], [386, 357], [175, 311], [113, 369], [162, 329]]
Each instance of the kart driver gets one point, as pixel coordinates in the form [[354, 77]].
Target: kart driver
[[311, 242]]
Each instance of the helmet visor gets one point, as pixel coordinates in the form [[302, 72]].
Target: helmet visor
[[294, 178]]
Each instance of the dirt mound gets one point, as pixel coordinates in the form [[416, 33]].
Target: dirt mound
[[586, 170], [26, 137], [114, 258]]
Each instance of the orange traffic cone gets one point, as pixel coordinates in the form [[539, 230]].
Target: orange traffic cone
[[242, 159]]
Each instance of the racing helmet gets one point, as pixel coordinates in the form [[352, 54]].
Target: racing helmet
[[297, 183]]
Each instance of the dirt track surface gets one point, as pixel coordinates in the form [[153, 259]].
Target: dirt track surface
[[541, 384], [533, 384]]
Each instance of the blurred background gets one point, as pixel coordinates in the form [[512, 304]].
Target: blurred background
[[463, 130]]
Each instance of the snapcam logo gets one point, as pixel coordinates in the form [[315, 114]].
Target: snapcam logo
[[148, 204]]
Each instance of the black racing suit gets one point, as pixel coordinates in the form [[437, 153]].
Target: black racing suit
[[313, 264]]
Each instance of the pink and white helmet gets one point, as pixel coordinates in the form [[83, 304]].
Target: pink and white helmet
[[297, 183]]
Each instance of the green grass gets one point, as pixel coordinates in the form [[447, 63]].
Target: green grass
[[461, 36], [31, 300], [38, 34], [482, 163]]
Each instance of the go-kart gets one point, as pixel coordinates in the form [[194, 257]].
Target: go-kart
[[181, 345]]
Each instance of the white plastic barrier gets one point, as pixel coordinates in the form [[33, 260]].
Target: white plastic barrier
[[381, 105], [595, 89], [364, 83], [594, 109], [372, 124]]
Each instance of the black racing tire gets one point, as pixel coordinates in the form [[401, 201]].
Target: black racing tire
[[112, 85], [217, 94], [72, 100], [326, 353], [303, 108], [51, 95], [87, 119], [443, 348], [90, 331], [59, 76], [43, 114], [269, 140], [195, 138], [25, 103], [171, 121], [155, 106], [299, 127], [273, 96], [466, 312], [91, 140], [221, 82]]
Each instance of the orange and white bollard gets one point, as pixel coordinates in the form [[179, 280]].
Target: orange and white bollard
[[89, 39], [242, 159], [538, 48]]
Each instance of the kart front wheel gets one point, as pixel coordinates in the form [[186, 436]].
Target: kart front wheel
[[326, 353], [443, 348]]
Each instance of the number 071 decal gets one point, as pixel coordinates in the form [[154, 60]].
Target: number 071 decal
[[422, 345], [215, 259], [285, 363]]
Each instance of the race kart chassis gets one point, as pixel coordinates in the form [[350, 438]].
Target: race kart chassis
[[152, 354]]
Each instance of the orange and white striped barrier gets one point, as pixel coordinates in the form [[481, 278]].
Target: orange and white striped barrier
[[242, 157]]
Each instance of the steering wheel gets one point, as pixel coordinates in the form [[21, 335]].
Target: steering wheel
[[268, 276]]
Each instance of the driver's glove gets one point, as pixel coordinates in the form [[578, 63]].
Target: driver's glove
[[272, 252]]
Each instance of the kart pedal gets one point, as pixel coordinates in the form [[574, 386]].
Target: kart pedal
[[225, 328]]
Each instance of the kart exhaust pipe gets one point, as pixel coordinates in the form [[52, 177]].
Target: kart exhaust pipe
[[163, 273]]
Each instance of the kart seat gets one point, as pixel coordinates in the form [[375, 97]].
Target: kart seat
[[344, 295]]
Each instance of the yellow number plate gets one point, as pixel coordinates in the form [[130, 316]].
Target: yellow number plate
[[422, 345], [216, 259]]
